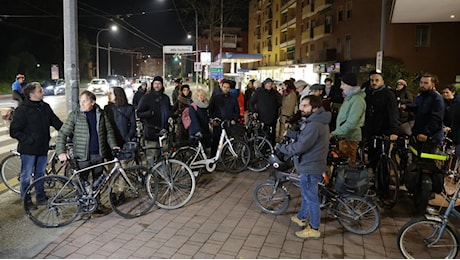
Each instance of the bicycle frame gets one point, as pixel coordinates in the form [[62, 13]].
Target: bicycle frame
[[210, 163], [74, 178]]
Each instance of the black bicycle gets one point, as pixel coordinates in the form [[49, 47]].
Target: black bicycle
[[357, 214]]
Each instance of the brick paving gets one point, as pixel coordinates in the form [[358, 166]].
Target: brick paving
[[222, 221]]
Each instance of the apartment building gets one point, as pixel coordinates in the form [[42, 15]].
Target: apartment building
[[312, 39]]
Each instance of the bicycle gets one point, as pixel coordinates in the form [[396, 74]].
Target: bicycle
[[356, 214], [175, 180], [386, 177], [66, 196], [233, 153], [401, 155], [10, 167], [258, 144], [431, 236]]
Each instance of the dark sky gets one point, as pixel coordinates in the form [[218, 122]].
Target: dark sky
[[36, 26]]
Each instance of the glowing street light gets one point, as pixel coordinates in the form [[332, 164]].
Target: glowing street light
[[113, 28]]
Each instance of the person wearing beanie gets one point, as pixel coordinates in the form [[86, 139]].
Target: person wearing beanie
[[183, 101], [350, 118], [154, 110], [404, 96], [382, 117], [139, 93], [264, 105], [177, 89]]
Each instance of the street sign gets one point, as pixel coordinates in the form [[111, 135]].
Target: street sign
[[198, 67], [216, 70], [205, 57], [178, 49], [378, 61]]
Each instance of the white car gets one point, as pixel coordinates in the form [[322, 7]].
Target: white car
[[99, 86]]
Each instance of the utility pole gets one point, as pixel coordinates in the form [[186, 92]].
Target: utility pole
[[71, 72]]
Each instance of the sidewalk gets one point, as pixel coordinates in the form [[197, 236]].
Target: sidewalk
[[222, 221]]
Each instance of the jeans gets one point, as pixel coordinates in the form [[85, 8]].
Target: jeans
[[310, 201], [28, 162]]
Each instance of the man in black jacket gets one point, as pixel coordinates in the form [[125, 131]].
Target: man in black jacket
[[31, 127], [265, 104], [225, 107], [382, 115]]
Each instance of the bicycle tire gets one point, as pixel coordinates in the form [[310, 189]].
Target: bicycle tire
[[236, 164], [271, 199], [260, 149], [189, 155], [414, 235], [11, 170], [357, 214], [176, 183], [136, 200], [61, 206], [387, 182]]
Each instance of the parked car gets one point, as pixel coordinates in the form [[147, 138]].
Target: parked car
[[53, 87], [99, 86], [116, 81]]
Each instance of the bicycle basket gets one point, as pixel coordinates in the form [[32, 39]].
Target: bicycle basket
[[128, 152]]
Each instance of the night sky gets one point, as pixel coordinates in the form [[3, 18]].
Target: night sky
[[36, 26]]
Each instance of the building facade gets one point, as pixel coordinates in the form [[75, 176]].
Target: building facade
[[312, 39]]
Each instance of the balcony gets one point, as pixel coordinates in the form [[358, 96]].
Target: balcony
[[306, 36], [288, 24], [288, 4], [317, 6], [320, 31], [288, 43]]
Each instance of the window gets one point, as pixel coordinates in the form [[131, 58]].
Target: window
[[276, 58], [276, 24], [340, 14], [348, 48], [423, 34], [348, 10]]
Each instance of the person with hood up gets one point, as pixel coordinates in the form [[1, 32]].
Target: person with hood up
[[183, 100], [310, 149], [350, 118], [139, 93], [199, 118]]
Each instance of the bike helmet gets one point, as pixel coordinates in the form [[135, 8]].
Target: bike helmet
[[278, 164]]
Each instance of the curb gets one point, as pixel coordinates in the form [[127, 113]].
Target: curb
[[6, 96]]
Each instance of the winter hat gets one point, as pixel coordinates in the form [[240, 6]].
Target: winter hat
[[267, 80], [402, 82], [350, 79], [158, 78], [300, 83], [317, 87]]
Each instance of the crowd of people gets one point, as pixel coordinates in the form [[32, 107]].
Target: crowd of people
[[349, 112]]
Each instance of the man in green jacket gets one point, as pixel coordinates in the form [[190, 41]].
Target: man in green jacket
[[350, 118], [93, 138]]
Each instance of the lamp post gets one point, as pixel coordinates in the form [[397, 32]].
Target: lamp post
[[112, 28]]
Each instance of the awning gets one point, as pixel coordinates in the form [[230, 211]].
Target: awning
[[229, 57]]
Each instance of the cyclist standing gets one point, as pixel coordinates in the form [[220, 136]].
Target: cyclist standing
[[310, 148], [31, 127]]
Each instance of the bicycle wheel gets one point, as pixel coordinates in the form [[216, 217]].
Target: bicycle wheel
[[240, 161], [270, 198], [416, 239], [188, 155], [11, 169], [357, 214], [130, 201], [260, 149], [176, 183], [60, 206], [387, 182]]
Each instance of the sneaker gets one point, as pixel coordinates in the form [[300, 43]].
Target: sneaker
[[308, 233], [299, 222]]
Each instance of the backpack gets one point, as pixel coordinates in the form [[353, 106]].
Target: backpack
[[185, 117]]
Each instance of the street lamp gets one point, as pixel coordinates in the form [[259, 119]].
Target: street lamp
[[113, 28]]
